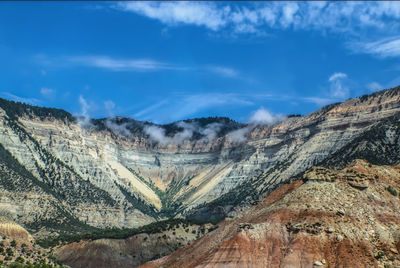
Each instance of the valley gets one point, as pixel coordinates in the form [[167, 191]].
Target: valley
[[85, 188]]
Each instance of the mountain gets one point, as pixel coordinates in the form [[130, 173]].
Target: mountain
[[327, 218], [85, 175]]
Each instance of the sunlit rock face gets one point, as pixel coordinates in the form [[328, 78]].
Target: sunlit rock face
[[331, 218], [119, 173]]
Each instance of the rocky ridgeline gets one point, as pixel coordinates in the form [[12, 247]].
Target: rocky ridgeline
[[112, 173]]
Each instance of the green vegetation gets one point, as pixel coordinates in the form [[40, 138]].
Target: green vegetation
[[249, 188], [379, 255], [169, 207], [15, 177], [138, 203], [294, 115], [29, 265], [391, 190], [17, 109], [372, 146], [115, 233]]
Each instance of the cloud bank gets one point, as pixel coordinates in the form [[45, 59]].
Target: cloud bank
[[380, 19], [256, 17]]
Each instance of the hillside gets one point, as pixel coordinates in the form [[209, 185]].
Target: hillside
[[149, 243], [330, 218], [18, 248], [86, 175]]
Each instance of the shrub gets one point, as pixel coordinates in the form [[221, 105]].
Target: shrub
[[379, 255], [13, 243], [20, 259], [10, 252], [391, 190]]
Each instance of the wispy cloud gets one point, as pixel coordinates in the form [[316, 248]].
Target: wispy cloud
[[47, 92], [10, 96], [265, 117], [319, 101], [84, 117], [133, 65], [374, 86], [223, 71], [149, 109], [387, 47], [114, 64], [185, 106], [173, 13], [337, 76], [255, 17], [339, 89]]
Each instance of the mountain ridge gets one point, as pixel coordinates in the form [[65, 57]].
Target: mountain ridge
[[138, 180]]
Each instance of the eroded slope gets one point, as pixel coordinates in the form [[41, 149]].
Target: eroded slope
[[346, 218]]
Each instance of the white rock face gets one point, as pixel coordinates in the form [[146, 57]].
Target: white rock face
[[97, 173]]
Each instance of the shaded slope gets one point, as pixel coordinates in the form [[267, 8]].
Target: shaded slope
[[380, 145]]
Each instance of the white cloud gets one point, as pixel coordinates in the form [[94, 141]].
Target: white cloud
[[84, 118], [134, 65], [157, 133], [239, 135], [185, 106], [118, 128], [256, 17], [264, 117], [336, 76], [319, 101], [259, 117], [150, 109], [338, 88], [47, 92], [114, 64], [211, 130], [374, 86], [387, 47], [109, 105], [224, 71], [173, 13]]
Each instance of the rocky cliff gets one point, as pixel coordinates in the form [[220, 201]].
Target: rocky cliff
[[330, 218], [83, 173]]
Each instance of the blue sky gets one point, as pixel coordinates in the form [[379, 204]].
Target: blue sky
[[167, 61]]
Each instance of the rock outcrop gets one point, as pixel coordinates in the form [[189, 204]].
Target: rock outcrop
[[323, 220]]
